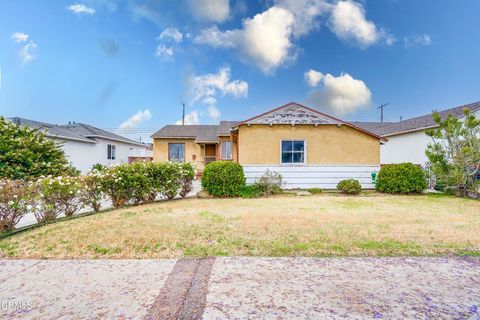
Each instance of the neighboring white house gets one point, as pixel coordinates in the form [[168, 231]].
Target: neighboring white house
[[407, 139], [85, 145]]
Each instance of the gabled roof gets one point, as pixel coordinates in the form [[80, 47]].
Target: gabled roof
[[77, 131], [414, 124], [51, 130], [296, 114], [224, 127], [89, 131]]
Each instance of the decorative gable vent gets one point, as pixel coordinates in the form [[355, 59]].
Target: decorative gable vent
[[292, 114]]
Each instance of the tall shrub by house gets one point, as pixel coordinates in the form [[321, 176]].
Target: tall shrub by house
[[401, 178], [223, 178], [29, 154], [454, 153]]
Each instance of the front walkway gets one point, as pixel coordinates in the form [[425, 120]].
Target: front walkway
[[241, 288]]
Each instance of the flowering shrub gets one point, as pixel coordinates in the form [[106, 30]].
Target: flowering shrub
[[15, 202], [124, 184], [56, 195], [92, 191], [269, 183]]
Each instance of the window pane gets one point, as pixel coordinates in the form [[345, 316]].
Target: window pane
[[287, 157], [113, 152], [298, 145], [298, 157], [226, 151], [109, 151], [287, 146], [176, 152]]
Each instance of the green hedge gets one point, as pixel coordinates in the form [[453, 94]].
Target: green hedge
[[349, 186], [223, 178], [401, 178]]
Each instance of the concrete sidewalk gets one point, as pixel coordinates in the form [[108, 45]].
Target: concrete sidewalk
[[242, 288]]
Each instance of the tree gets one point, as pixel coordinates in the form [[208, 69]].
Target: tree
[[454, 154], [28, 154]]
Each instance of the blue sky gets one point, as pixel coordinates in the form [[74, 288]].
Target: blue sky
[[129, 63]]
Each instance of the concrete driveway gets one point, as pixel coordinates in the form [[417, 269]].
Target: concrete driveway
[[242, 288]]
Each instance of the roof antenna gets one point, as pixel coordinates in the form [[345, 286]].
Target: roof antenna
[[183, 114], [382, 106]]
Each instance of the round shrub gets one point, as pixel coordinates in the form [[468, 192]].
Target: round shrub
[[223, 178], [350, 186], [401, 178]]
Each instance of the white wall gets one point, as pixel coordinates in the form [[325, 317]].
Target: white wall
[[407, 147], [325, 177], [83, 155]]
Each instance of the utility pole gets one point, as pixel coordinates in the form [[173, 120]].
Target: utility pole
[[382, 106], [183, 114]]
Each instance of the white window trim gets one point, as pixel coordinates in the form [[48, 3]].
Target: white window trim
[[113, 152], [298, 164], [231, 150]]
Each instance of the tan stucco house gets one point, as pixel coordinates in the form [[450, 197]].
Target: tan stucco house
[[309, 148]]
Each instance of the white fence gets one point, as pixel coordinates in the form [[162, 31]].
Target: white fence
[[325, 177]]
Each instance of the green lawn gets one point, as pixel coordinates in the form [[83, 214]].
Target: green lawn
[[320, 225]]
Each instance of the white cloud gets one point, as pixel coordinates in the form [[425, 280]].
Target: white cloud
[[218, 39], [191, 118], [164, 53], [206, 88], [313, 77], [171, 33], [19, 37], [213, 112], [417, 40], [27, 52], [264, 40], [348, 22], [136, 119], [306, 14], [79, 9], [210, 10], [209, 85], [340, 95]]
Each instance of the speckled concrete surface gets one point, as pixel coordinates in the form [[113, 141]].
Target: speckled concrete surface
[[344, 288], [80, 289], [244, 288]]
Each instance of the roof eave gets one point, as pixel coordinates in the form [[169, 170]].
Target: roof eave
[[396, 133]]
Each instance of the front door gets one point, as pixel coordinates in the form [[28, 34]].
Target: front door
[[210, 153]]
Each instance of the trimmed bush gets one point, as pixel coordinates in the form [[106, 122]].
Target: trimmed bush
[[187, 174], [349, 186], [269, 183], [15, 203], [92, 191], [223, 178], [401, 178]]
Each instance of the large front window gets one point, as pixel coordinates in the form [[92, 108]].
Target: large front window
[[226, 150], [176, 152], [293, 151]]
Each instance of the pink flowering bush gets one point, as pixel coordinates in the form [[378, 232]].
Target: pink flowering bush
[[15, 202], [92, 191]]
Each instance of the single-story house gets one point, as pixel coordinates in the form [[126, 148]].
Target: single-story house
[[307, 147], [85, 145], [407, 139]]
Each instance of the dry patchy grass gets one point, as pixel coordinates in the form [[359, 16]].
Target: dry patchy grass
[[322, 225]]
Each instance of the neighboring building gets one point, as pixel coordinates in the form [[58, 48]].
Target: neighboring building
[[309, 148], [85, 145], [407, 139]]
